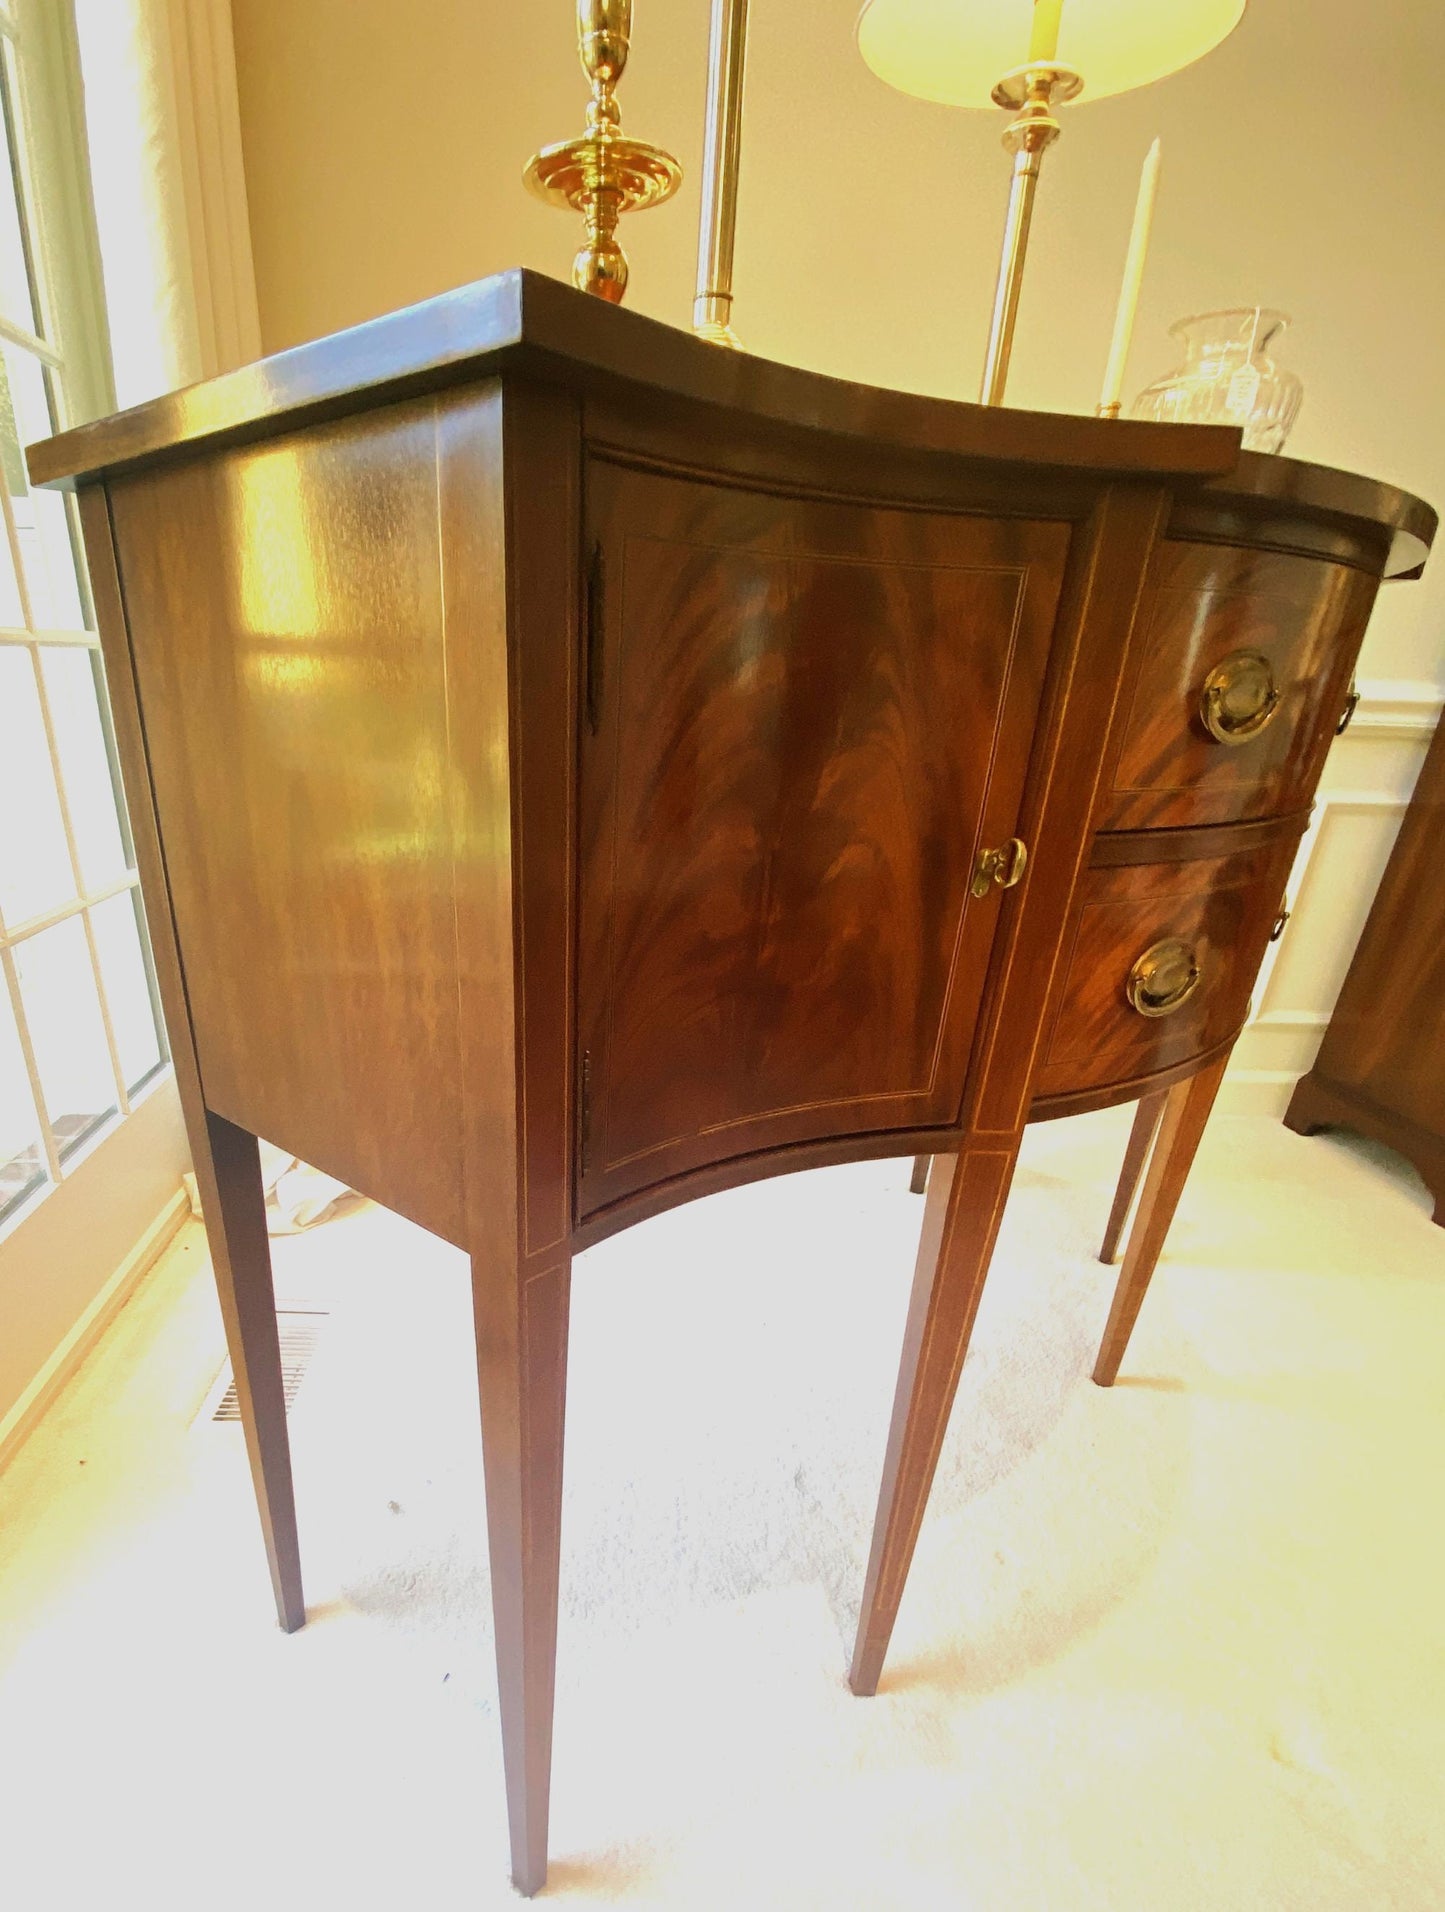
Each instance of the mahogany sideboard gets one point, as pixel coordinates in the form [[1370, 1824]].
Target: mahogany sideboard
[[1381, 1066], [574, 768]]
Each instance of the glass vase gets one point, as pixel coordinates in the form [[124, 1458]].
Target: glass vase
[[1228, 378]]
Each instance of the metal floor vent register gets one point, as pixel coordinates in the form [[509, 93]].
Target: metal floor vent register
[[299, 1331]]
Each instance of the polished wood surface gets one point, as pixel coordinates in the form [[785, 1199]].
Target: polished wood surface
[[1147, 1114], [1381, 1066], [1271, 503], [1206, 603], [225, 1159], [506, 580], [1222, 906], [1051, 1108], [285, 616], [228, 1170], [967, 1189], [525, 325], [805, 720], [1186, 1111], [559, 754], [962, 1211]]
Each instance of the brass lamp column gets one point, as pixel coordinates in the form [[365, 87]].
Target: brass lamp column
[[953, 53], [1034, 90], [722, 149], [603, 174]]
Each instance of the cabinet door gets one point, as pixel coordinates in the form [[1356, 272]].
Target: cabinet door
[[802, 721]]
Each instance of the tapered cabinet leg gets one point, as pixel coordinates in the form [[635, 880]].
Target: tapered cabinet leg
[[1146, 1125], [233, 1202], [522, 1369], [966, 1195], [1186, 1110], [918, 1180]]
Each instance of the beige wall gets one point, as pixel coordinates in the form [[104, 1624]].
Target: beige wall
[[1302, 168], [384, 144]]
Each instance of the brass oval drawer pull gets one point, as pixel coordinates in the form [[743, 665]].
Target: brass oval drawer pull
[[1164, 977], [1004, 866], [1239, 697]]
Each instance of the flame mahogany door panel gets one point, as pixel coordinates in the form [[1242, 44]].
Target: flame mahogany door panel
[[803, 718]]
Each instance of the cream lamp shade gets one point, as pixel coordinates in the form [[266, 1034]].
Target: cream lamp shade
[[954, 51]]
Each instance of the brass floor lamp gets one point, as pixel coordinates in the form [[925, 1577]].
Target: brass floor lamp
[[968, 53]]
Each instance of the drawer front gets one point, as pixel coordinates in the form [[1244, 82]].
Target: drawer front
[[1162, 957], [1241, 680]]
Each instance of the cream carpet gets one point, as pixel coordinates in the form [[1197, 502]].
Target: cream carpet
[[1178, 1645]]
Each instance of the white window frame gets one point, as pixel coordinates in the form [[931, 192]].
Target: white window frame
[[61, 1247]]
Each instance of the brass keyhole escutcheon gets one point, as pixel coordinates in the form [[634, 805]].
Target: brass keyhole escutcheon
[[1239, 697], [1004, 866], [1164, 977]]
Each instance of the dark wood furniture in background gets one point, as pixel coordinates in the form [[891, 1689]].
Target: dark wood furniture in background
[[574, 768], [1381, 1066]]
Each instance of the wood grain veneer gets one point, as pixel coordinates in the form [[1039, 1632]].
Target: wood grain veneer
[[285, 615], [1222, 906], [1203, 604], [807, 718]]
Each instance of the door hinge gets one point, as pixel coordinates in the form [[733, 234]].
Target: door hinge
[[592, 660], [584, 1113]]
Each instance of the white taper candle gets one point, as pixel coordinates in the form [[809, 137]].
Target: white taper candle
[[1133, 277], [1044, 33]]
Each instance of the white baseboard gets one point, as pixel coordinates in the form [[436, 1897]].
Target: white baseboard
[[1407, 708], [63, 1363]]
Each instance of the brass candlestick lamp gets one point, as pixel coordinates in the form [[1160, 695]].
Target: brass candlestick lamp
[[603, 174], [968, 55]]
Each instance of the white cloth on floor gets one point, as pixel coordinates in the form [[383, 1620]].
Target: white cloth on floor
[[297, 1195]]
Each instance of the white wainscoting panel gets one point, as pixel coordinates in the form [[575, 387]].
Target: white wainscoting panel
[[1363, 794]]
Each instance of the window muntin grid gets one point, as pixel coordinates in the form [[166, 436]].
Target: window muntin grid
[[80, 1032]]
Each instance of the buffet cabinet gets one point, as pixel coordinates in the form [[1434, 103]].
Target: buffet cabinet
[[575, 768], [1381, 1066]]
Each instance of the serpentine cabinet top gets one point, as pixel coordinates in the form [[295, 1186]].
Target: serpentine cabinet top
[[522, 321]]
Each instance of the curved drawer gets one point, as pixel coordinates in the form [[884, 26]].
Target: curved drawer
[[1162, 955], [1240, 684]]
